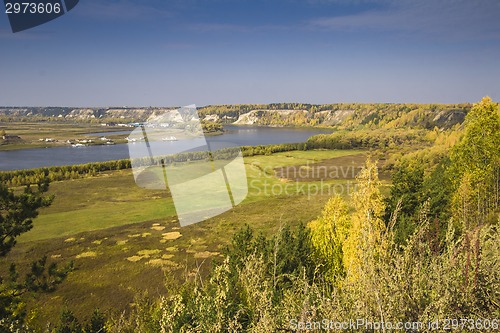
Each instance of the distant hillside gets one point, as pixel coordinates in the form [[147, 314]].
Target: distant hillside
[[79, 114], [342, 115]]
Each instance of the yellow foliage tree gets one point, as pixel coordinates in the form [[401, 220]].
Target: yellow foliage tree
[[365, 235], [328, 234]]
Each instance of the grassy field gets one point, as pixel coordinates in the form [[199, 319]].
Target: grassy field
[[113, 199], [109, 200], [126, 241]]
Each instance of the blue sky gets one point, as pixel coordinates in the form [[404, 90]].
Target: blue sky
[[180, 52]]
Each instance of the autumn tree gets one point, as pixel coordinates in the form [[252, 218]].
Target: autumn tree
[[476, 166], [365, 234], [328, 234]]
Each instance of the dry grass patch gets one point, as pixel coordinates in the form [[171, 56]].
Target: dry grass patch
[[134, 258], [157, 228], [167, 256], [88, 254], [148, 253], [198, 241], [70, 240], [122, 242], [163, 263], [171, 235]]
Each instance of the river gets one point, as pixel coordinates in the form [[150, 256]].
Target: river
[[67, 155]]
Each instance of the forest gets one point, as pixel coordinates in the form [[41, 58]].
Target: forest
[[426, 252], [341, 115]]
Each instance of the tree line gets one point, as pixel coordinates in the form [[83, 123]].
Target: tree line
[[58, 173], [369, 139]]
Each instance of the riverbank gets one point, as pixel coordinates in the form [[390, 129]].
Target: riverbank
[[34, 135]]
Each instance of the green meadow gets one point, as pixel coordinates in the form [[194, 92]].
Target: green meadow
[[113, 199], [126, 241]]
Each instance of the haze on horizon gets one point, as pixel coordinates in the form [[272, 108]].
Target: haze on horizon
[[158, 53]]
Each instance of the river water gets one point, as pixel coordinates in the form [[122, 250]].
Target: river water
[[67, 155]]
